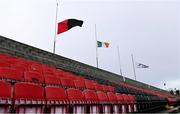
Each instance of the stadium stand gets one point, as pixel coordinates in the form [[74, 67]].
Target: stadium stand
[[40, 88], [31, 86]]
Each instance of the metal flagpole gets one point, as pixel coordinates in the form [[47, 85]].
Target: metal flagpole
[[54, 48], [120, 70], [96, 47], [133, 66]]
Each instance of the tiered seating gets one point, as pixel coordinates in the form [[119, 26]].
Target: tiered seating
[[31, 87]]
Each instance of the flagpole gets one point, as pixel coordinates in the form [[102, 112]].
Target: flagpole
[[96, 46], [54, 48], [120, 70], [133, 66]]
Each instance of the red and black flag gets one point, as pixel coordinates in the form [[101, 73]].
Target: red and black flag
[[68, 24]]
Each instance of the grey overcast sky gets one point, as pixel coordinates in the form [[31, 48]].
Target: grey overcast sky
[[148, 29]]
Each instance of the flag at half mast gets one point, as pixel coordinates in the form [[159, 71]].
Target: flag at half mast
[[68, 24], [103, 44], [139, 65]]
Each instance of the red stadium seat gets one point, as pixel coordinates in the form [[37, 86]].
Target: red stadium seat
[[90, 96], [29, 98], [59, 73], [57, 100], [51, 80], [33, 76], [92, 100], [48, 70], [127, 103], [5, 97], [132, 103], [11, 73], [111, 88], [67, 83], [113, 100], [77, 101], [121, 103], [98, 87], [103, 99], [79, 84], [36, 67], [105, 88], [89, 84]]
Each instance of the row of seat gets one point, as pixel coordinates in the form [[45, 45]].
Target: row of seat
[[160, 95], [30, 71], [30, 76], [31, 98]]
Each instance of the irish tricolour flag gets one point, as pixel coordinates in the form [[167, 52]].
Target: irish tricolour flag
[[102, 44]]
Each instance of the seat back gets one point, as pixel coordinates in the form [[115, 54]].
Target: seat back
[[79, 84], [133, 103], [89, 84], [105, 88], [48, 70], [126, 103], [103, 99], [112, 97], [121, 103], [90, 96], [36, 67], [50, 79], [76, 98], [111, 88], [56, 100], [92, 100], [98, 87], [55, 95], [33, 76], [29, 98], [67, 83]]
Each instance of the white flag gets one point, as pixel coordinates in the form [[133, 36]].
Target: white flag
[[139, 65]]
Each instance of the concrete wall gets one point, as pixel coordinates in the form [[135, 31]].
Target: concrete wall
[[22, 50]]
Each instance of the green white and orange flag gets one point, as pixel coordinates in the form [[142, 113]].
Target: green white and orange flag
[[103, 44]]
